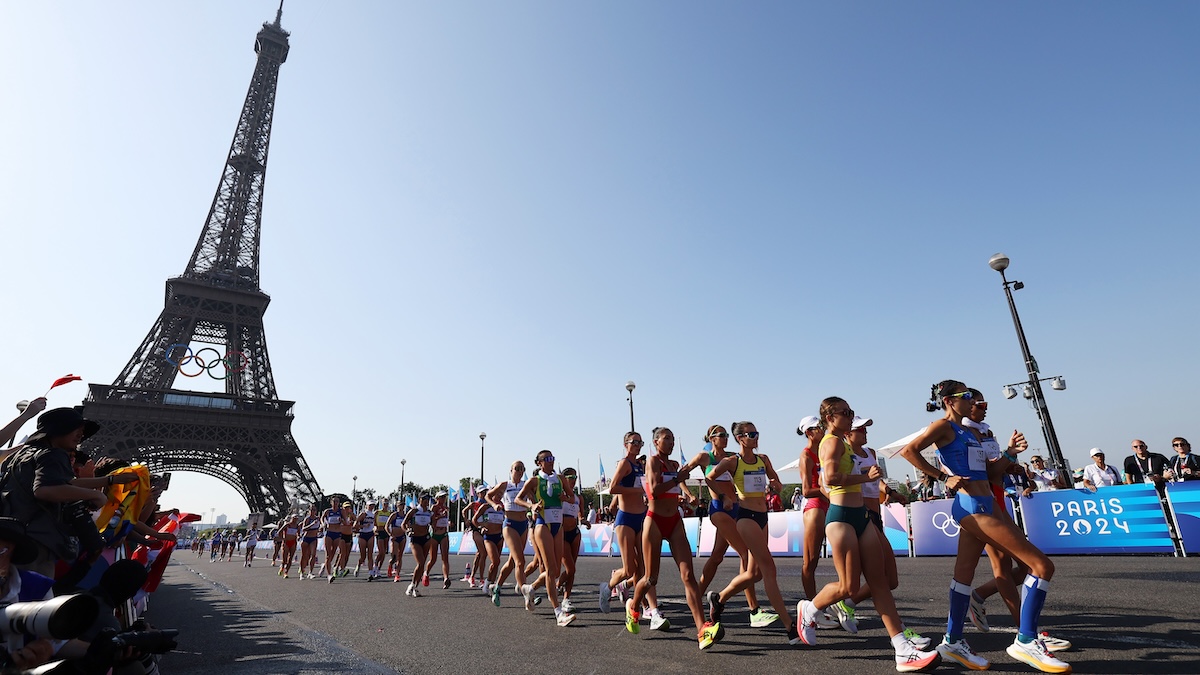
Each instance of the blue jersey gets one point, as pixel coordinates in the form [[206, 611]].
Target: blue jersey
[[965, 456], [636, 475]]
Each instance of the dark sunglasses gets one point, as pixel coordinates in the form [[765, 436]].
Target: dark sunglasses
[[635, 442], [982, 405], [720, 435], [749, 434]]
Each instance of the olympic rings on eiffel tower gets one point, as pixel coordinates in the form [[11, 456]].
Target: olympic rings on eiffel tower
[[204, 365]]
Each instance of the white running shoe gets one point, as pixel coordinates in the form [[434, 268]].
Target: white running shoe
[[567, 605], [356, 569], [919, 641], [416, 591], [806, 626], [527, 593], [408, 591], [978, 614], [824, 620], [564, 618], [658, 621], [605, 594], [961, 651], [1054, 644], [1037, 655], [911, 660], [624, 591], [845, 616]]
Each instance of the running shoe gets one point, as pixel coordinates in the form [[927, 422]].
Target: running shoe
[[425, 581], [793, 635], [279, 573], [285, 575], [761, 618], [527, 593], [805, 613], [961, 651], [912, 660], [845, 616], [484, 587], [978, 613], [445, 583], [409, 590], [1052, 643], [624, 591], [715, 607], [824, 620], [567, 605], [710, 634], [632, 618], [564, 618], [331, 578], [416, 591], [919, 641], [357, 569], [311, 576], [1037, 655], [604, 598], [658, 621], [496, 594]]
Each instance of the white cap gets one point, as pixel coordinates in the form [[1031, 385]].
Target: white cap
[[1097, 451], [860, 422], [810, 422]]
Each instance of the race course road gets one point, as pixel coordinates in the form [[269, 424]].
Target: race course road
[[1123, 614]]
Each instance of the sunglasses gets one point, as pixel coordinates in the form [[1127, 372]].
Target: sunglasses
[[964, 395], [638, 443], [547, 458], [749, 434], [982, 405], [720, 435], [844, 413], [1139, 447], [1180, 445], [570, 475]]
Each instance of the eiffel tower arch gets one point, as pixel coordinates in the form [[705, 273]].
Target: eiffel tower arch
[[211, 326]]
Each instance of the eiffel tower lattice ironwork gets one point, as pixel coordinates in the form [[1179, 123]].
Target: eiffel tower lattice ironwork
[[212, 324]]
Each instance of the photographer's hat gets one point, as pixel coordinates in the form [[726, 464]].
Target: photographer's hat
[[24, 550], [62, 421]]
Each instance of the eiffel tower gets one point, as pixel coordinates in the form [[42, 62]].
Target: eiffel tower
[[212, 327]]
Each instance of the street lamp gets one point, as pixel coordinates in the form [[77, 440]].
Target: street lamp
[[21, 406], [354, 489], [629, 387], [481, 437], [1033, 387], [402, 463]]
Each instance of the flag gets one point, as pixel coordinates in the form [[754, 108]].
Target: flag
[[473, 493], [65, 379], [603, 478]]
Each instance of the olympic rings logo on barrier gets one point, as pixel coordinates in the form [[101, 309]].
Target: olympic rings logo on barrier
[[944, 522], [234, 361]]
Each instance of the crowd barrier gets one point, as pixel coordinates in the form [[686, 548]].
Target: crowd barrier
[[1122, 519]]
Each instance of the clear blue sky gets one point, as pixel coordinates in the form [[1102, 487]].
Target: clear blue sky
[[489, 216]]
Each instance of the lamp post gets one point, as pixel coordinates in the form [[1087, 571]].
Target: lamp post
[[481, 437], [402, 463], [21, 406], [999, 262], [354, 489], [629, 387]]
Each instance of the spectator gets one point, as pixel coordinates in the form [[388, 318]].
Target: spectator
[[774, 503], [1043, 478], [797, 500], [1184, 466], [1077, 476], [592, 516], [9, 432], [37, 482], [1098, 474], [1144, 466]]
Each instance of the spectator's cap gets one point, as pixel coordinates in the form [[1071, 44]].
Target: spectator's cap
[[424, 495], [62, 421], [810, 422], [1097, 451], [24, 551], [860, 422], [441, 493], [372, 503]]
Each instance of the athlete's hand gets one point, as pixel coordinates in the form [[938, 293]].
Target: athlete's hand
[[874, 473]]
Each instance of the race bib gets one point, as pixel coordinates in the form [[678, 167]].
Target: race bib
[[443, 522], [495, 517], [976, 458], [552, 516], [570, 510], [755, 482]]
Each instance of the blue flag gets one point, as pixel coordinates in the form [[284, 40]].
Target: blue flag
[[603, 478]]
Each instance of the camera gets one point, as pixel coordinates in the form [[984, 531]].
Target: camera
[[62, 618], [77, 518]]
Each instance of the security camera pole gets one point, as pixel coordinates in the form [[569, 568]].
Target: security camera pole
[[999, 262]]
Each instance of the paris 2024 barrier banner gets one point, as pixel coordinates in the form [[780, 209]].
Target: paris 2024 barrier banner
[[1185, 502]]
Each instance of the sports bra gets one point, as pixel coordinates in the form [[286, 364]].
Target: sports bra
[[422, 517], [862, 465], [673, 493], [333, 516], [846, 466], [571, 509], [964, 456], [750, 480], [991, 448], [382, 517], [814, 476], [636, 475], [368, 523], [510, 496], [712, 464]]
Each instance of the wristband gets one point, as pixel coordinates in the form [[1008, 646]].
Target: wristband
[[110, 479], [942, 477]]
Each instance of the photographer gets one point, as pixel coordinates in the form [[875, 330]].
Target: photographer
[[36, 482]]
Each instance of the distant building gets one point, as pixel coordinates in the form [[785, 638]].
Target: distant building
[[222, 520]]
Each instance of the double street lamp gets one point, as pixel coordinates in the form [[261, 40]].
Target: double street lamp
[[1033, 386]]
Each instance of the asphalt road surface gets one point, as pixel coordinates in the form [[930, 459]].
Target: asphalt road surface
[[1123, 614]]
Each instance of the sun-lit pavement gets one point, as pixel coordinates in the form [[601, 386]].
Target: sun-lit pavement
[[1123, 614]]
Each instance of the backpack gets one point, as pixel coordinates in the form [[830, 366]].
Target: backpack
[[43, 520]]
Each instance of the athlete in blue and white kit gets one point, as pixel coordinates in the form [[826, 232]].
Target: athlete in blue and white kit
[[967, 479]]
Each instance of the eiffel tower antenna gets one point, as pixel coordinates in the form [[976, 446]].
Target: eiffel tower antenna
[[211, 326]]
